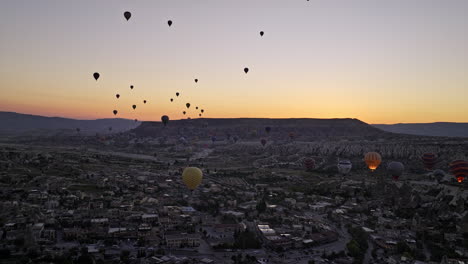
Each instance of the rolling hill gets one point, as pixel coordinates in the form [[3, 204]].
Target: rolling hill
[[441, 129]]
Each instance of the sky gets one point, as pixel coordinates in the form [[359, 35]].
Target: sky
[[399, 61]]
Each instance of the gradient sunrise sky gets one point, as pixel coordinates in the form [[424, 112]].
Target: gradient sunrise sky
[[382, 61]]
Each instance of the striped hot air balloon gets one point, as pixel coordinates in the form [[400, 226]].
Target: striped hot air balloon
[[373, 160], [429, 160], [459, 169], [309, 164]]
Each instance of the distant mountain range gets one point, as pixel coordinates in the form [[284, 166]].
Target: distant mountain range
[[444, 129], [20, 123]]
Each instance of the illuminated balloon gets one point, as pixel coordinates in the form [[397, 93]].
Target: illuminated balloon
[[187, 105], [373, 160], [192, 177], [459, 169], [429, 160], [133, 106], [117, 95], [344, 166], [96, 75], [169, 22], [246, 70], [165, 119], [395, 169], [115, 112], [309, 163], [127, 15]]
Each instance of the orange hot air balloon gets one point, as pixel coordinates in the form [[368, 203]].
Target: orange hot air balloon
[[192, 177], [373, 160], [459, 169]]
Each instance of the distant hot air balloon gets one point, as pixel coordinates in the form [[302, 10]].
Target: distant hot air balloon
[[115, 112], [187, 105], [169, 22], [144, 101], [117, 95], [267, 129], [439, 174], [199, 114], [202, 111], [309, 163], [263, 141], [429, 160], [246, 70], [96, 75], [192, 177], [373, 160], [196, 107], [133, 106], [395, 169], [196, 80], [165, 119], [344, 166], [459, 169], [172, 99], [136, 120], [213, 139], [177, 94], [131, 86], [127, 15], [183, 112], [261, 33]]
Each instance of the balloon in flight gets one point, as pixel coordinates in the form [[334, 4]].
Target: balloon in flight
[[165, 119], [144, 101], [169, 22], [261, 33], [263, 141], [459, 169], [192, 177], [131, 86], [177, 94], [96, 75], [429, 160], [246, 70], [133, 106], [117, 95], [115, 112], [373, 160], [127, 15], [344, 166], [395, 169], [187, 105], [309, 163]]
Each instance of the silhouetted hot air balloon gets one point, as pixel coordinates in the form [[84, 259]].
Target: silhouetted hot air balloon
[[438, 174], [136, 120], [144, 101], [115, 112], [395, 169], [133, 106], [96, 75], [261, 33], [246, 70], [263, 141], [196, 80], [127, 15], [117, 95], [267, 129], [429, 160], [459, 169], [196, 107], [183, 112], [192, 177], [344, 166], [131, 86], [309, 163], [199, 114], [202, 111], [165, 119], [177, 94], [373, 160], [187, 105], [169, 22]]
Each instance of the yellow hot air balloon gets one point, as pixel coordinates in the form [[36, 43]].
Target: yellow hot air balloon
[[373, 160], [192, 177]]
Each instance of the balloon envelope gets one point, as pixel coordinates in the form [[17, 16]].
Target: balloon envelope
[[373, 160], [127, 15], [246, 70], [459, 169], [165, 119], [309, 163], [344, 166], [395, 169], [96, 75], [169, 22], [115, 112], [192, 177], [429, 160]]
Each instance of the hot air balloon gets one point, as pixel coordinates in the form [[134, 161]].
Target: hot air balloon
[[263, 141], [172, 99], [213, 139], [344, 166], [373, 160], [96, 75], [429, 160], [144, 101], [246, 70], [165, 119], [196, 80], [309, 163], [117, 95], [439, 174], [192, 177], [199, 114], [169, 22], [196, 107], [395, 169], [202, 111], [459, 169], [133, 106], [187, 105], [136, 120], [267, 129], [131, 86], [261, 33], [177, 94], [183, 112], [127, 15], [115, 112]]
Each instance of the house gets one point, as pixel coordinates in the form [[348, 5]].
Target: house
[[177, 240]]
